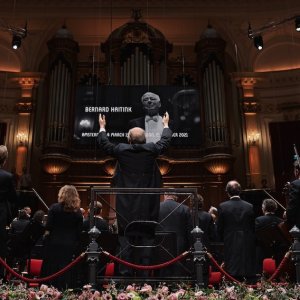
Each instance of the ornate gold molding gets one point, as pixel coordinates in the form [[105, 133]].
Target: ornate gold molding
[[55, 163], [219, 163], [24, 107]]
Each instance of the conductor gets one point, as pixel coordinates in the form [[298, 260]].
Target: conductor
[[136, 168]]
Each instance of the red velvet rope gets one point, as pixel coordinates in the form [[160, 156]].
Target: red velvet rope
[[228, 276], [38, 280], [215, 263], [141, 267], [281, 265]]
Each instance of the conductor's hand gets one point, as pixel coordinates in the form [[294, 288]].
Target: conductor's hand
[[102, 121], [165, 119]]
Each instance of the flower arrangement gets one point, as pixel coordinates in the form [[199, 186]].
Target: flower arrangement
[[264, 291]]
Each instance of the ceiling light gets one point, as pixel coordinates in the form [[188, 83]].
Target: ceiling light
[[258, 42], [297, 23], [16, 41]]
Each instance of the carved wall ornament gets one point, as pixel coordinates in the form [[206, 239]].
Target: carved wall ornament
[[24, 107], [250, 106], [136, 36], [219, 163], [55, 163]]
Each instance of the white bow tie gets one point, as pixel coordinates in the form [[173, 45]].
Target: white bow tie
[[154, 118]]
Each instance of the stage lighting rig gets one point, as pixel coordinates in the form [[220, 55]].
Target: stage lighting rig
[[256, 34], [18, 33]]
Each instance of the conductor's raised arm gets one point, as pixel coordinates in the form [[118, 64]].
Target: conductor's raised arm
[[166, 135], [102, 139]]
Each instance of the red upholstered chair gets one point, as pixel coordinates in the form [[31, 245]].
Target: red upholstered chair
[[110, 269], [269, 266], [214, 278], [34, 267]]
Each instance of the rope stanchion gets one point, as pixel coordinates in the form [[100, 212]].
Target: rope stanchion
[[281, 265], [50, 277], [142, 267]]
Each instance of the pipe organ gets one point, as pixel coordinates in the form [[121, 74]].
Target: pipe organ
[[214, 99], [137, 69]]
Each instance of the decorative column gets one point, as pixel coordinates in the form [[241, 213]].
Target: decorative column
[[27, 81], [250, 108], [61, 84]]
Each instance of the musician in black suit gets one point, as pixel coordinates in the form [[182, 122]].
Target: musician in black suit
[[8, 198], [206, 223], [136, 168], [269, 207], [269, 221], [293, 206], [99, 222], [176, 217], [236, 229]]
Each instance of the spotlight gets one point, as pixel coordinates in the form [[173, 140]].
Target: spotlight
[[16, 41], [297, 23], [258, 42]]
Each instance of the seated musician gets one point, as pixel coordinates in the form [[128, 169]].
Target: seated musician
[[265, 226], [99, 222], [269, 207], [293, 205]]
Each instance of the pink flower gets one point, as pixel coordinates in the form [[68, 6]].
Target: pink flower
[[122, 296], [213, 296], [164, 290], [229, 290], [146, 289], [97, 294], [31, 295], [50, 291], [87, 287], [130, 288], [160, 296], [181, 292], [173, 296], [199, 294], [40, 294], [107, 296], [44, 288]]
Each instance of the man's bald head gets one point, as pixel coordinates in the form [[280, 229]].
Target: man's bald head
[[136, 135], [233, 188]]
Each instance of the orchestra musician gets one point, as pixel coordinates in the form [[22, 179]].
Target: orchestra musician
[[293, 205]]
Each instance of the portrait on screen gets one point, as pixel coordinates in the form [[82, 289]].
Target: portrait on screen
[[138, 106]]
